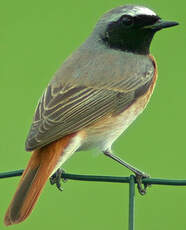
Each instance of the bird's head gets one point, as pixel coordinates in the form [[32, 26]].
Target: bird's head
[[130, 28]]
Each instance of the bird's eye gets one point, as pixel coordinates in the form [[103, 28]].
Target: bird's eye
[[127, 20]]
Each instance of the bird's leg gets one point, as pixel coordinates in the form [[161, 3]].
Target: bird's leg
[[139, 174], [56, 177]]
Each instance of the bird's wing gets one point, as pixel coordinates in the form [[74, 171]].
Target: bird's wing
[[64, 109]]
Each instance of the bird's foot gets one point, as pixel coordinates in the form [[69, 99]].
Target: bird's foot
[[56, 178], [142, 188]]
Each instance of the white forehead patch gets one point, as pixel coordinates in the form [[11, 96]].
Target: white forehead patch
[[139, 10], [133, 11]]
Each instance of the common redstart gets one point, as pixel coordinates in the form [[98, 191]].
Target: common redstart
[[96, 94]]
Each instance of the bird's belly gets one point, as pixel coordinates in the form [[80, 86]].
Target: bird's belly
[[103, 133]]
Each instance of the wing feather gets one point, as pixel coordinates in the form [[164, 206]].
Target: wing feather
[[72, 102]]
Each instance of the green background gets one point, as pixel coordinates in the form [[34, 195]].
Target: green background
[[35, 38]]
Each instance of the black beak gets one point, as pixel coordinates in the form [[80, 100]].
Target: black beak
[[161, 24]]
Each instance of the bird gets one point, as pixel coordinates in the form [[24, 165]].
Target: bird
[[91, 100]]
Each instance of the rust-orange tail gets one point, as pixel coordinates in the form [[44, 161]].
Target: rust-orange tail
[[39, 169]]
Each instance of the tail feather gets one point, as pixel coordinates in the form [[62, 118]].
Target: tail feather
[[39, 169]]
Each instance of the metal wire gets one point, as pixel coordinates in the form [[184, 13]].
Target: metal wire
[[131, 202], [130, 180], [115, 179]]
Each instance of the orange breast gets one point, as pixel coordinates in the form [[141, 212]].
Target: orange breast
[[104, 132]]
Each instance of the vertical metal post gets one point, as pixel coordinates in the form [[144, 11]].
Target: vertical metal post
[[131, 202]]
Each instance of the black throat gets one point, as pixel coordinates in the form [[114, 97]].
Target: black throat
[[134, 41]]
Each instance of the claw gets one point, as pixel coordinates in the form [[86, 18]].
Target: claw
[[55, 179], [142, 188]]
